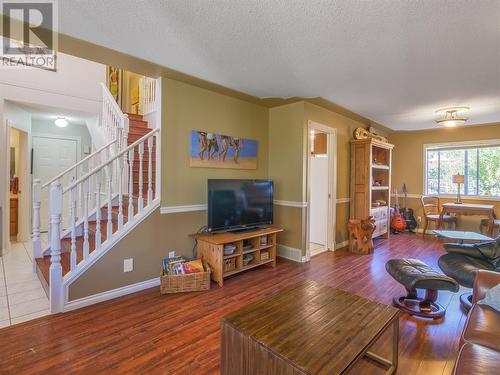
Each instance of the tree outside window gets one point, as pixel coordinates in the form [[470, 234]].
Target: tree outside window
[[479, 164]]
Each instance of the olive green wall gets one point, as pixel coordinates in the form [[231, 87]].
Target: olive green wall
[[288, 138], [147, 244], [187, 107], [408, 162], [184, 107]]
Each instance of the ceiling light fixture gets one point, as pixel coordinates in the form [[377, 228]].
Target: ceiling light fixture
[[451, 117], [61, 122]]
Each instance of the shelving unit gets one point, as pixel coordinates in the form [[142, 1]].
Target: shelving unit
[[371, 165], [211, 249]]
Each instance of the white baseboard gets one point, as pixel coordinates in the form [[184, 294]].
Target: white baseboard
[[177, 209], [110, 294], [290, 253], [340, 245]]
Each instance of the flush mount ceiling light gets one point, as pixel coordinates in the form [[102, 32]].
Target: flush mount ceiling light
[[61, 122], [450, 116]]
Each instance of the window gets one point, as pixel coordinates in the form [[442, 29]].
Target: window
[[480, 164]]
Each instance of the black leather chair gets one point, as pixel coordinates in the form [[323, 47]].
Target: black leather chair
[[463, 261]]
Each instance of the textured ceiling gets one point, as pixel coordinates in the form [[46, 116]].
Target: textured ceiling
[[393, 61]]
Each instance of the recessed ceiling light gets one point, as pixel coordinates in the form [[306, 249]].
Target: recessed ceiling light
[[61, 122], [451, 117]]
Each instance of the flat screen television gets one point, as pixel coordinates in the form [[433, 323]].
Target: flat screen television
[[239, 204]]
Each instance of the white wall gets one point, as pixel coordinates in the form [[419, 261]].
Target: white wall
[[74, 86], [318, 200]]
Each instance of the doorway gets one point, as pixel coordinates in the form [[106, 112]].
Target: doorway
[[19, 185], [321, 189], [24, 297]]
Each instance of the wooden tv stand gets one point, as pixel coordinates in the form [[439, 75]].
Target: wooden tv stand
[[211, 249]]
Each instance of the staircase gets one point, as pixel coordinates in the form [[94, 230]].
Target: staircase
[[109, 193], [138, 128]]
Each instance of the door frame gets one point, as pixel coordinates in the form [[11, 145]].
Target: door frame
[[332, 185]]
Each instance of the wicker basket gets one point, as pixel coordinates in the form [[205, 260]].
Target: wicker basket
[[191, 282], [229, 264]]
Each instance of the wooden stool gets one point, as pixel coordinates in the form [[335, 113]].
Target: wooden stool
[[414, 274], [360, 235]]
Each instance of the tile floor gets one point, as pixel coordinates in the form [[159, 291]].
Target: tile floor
[[22, 297]]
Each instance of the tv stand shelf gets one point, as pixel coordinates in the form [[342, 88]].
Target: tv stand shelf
[[211, 249]]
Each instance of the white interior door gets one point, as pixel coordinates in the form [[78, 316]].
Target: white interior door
[[321, 213], [319, 201], [51, 156]]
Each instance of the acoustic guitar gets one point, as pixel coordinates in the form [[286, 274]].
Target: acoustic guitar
[[398, 223], [408, 214]]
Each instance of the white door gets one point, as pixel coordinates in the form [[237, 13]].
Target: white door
[[51, 156], [318, 203]]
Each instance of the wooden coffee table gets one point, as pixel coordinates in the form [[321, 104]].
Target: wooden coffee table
[[306, 328]]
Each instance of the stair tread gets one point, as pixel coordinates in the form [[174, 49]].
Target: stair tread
[[134, 115]]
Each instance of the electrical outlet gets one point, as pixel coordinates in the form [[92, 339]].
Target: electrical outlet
[[419, 219], [171, 254], [128, 265]]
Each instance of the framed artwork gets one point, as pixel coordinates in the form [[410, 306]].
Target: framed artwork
[[211, 150], [114, 78]]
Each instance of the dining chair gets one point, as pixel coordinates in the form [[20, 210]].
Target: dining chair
[[486, 222], [431, 207]]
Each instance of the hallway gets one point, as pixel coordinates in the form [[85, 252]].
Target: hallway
[[22, 297]]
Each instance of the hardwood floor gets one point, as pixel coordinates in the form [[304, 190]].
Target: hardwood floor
[[179, 334]]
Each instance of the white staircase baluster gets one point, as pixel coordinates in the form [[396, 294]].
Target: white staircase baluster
[[140, 203], [98, 210], [120, 192], [55, 271], [125, 129], [37, 242], [86, 201], [72, 214], [157, 164], [109, 175], [131, 185], [150, 170]]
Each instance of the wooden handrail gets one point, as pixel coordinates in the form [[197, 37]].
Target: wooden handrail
[[121, 153]]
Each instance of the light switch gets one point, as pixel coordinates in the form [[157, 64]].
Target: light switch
[[128, 265], [171, 254]]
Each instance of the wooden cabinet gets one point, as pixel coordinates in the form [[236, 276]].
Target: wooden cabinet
[[14, 215], [371, 165], [260, 244]]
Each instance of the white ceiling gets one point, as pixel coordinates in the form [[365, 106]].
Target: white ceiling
[[393, 61]]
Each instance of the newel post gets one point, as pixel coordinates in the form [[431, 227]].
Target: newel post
[[56, 292], [37, 243]]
